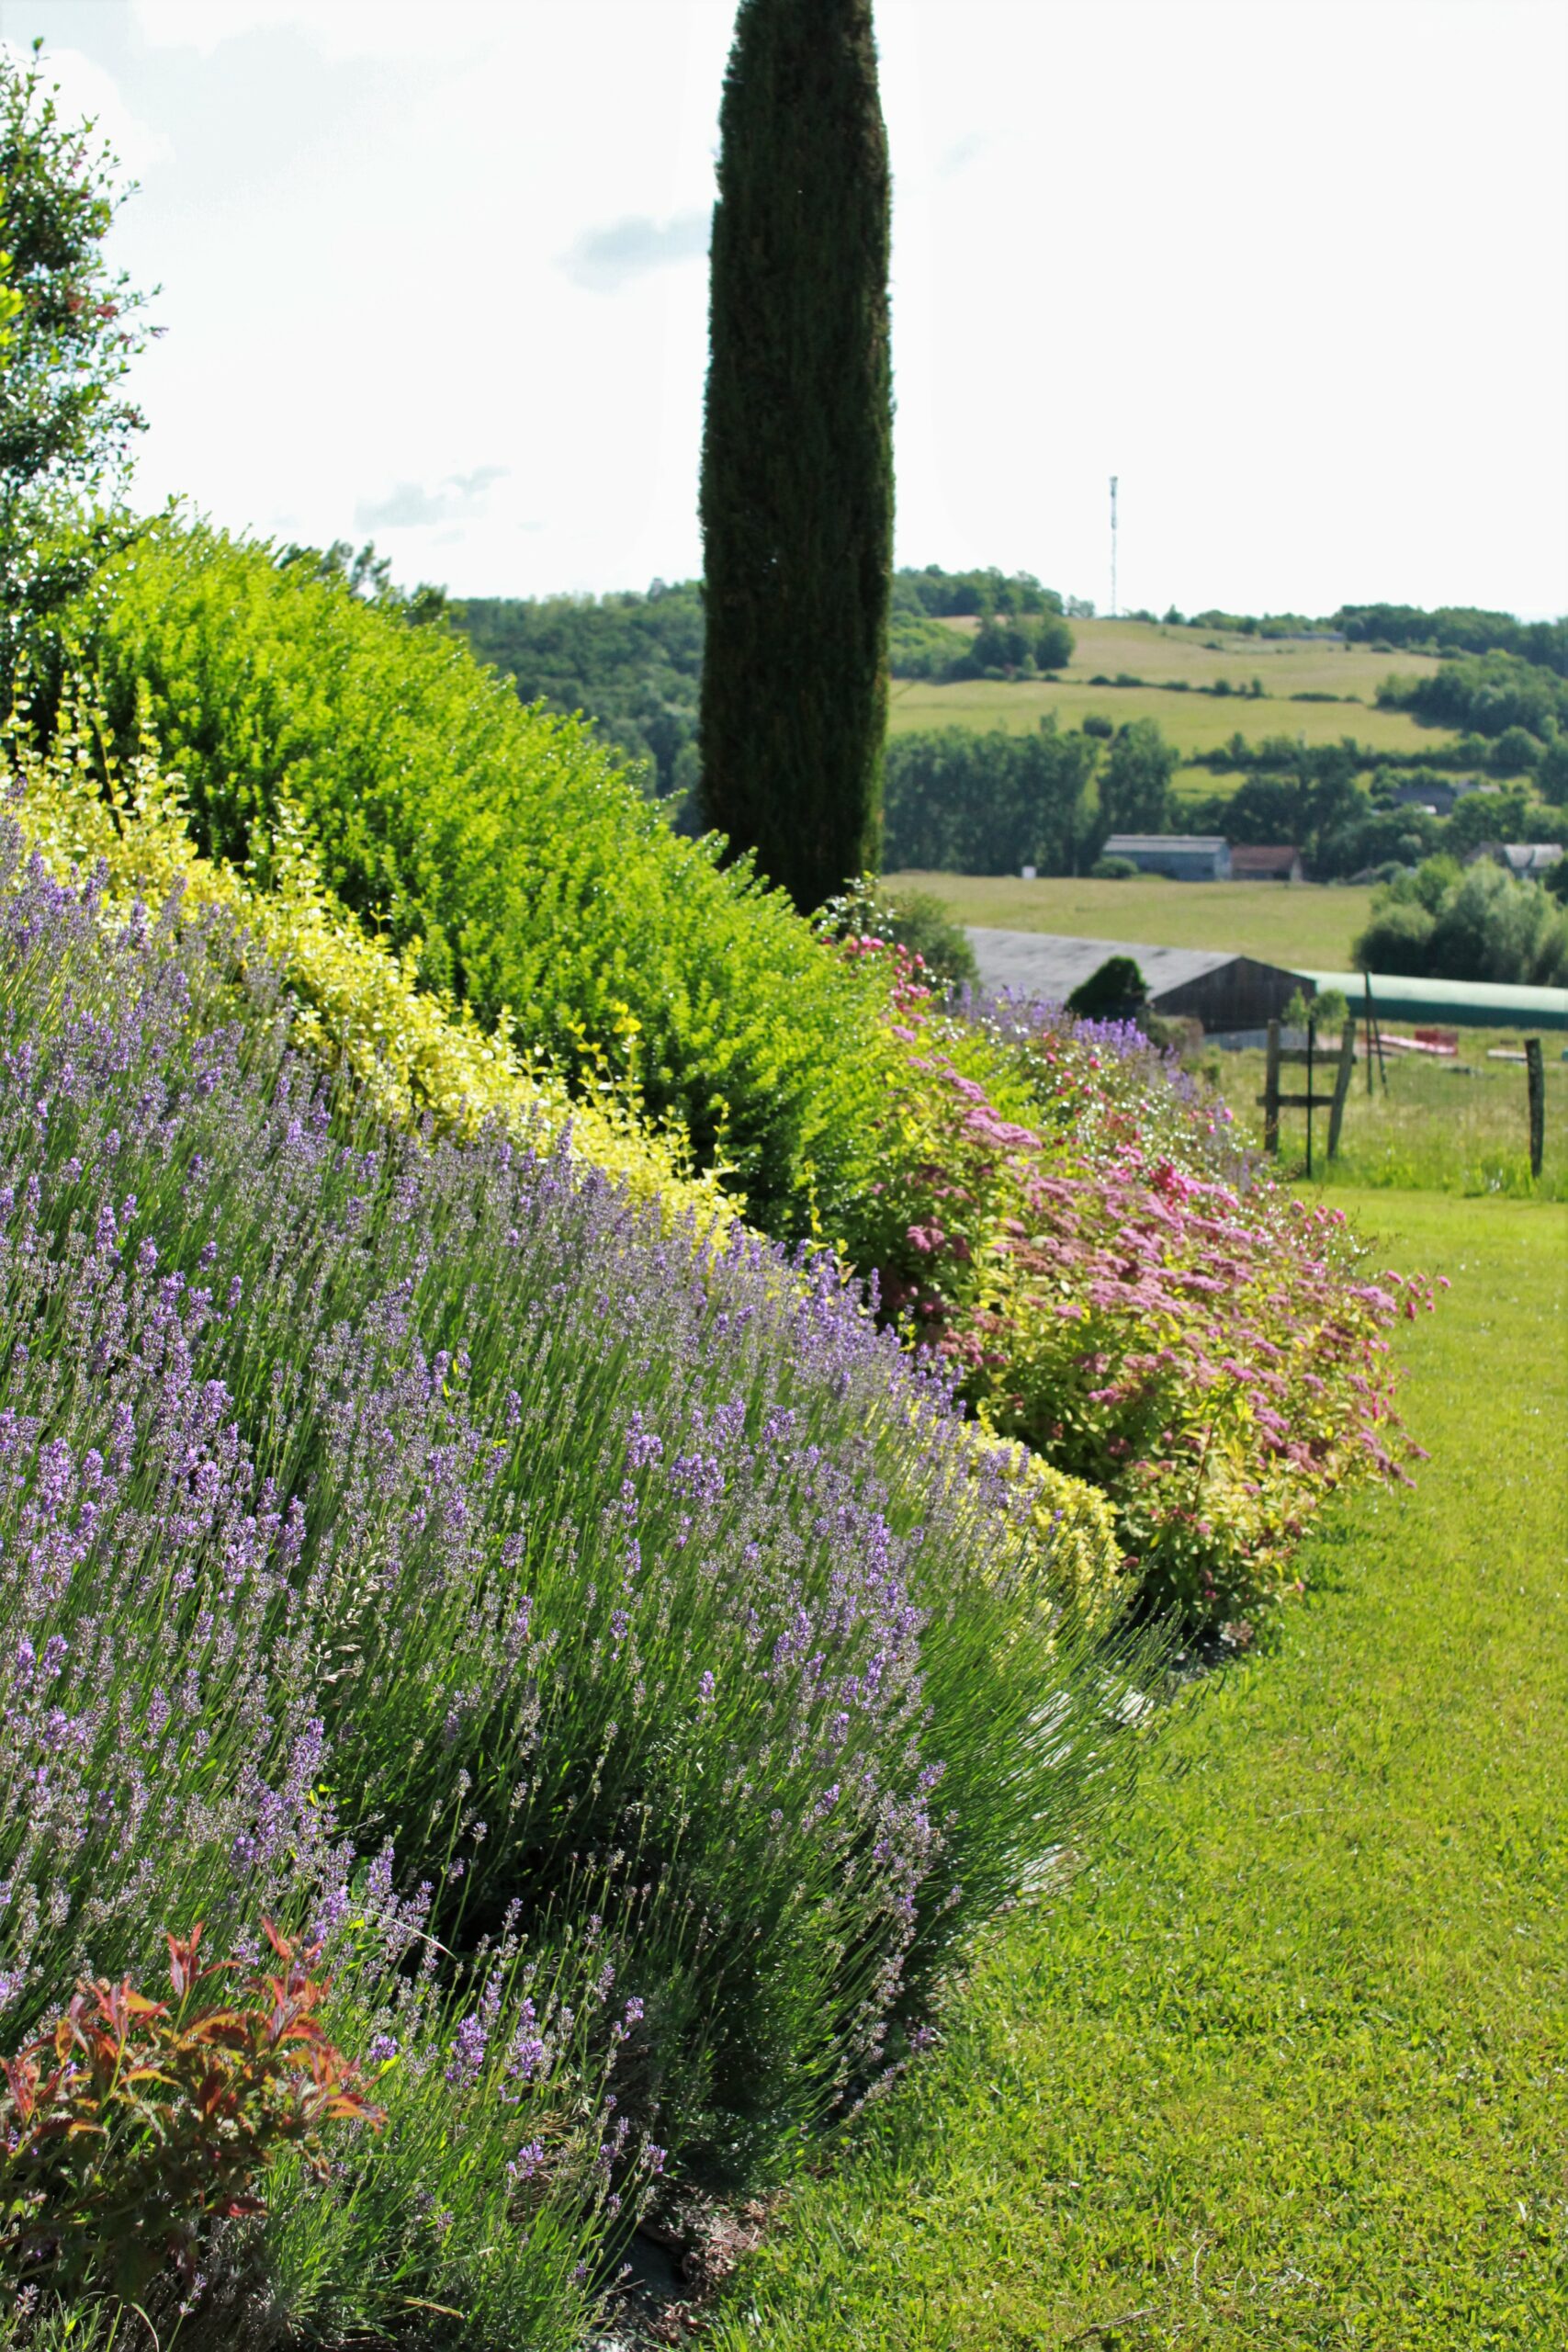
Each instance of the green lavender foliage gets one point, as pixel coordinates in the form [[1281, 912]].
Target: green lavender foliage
[[798, 464]]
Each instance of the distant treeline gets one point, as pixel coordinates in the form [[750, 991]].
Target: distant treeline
[[1488, 694], [959, 800], [1448, 629], [1514, 753], [948, 596], [1005, 645], [963, 801], [633, 662], [1310, 797], [630, 661], [1458, 629]]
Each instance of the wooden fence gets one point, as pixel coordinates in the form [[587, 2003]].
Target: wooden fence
[[1272, 1102]]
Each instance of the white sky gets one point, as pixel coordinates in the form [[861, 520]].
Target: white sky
[[1292, 269]]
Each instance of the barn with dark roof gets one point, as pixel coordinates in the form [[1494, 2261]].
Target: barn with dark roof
[[1222, 990]]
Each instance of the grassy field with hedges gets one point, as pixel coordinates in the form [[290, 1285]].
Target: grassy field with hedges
[[1193, 722], [1308, 924], [1171, 665], [1284, 2070]]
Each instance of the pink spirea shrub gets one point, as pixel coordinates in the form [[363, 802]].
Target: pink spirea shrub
[[1064, 1217]]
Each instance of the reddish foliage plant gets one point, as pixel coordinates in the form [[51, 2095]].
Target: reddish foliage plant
[[133, 2122]]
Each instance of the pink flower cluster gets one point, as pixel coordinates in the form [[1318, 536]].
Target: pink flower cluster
[[1067, 1224]]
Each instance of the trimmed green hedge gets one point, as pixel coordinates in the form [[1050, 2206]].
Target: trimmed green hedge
[[542, 889]]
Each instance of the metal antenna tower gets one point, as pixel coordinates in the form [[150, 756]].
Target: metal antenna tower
[[1114, 547]]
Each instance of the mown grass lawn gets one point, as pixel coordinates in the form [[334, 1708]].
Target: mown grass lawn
[[1287, 2066]]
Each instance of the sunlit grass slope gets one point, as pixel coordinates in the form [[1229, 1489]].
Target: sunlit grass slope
[[1306, 924], [1193, 722], [1286, 666], [1185, 660], [1286, 2069]]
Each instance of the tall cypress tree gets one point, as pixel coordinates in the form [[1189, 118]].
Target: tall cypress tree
[[797, 453]]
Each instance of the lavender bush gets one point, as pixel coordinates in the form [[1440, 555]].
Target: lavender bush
[[578, 1627]]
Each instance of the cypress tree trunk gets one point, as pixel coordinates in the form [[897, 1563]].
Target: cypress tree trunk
[[797, 453]]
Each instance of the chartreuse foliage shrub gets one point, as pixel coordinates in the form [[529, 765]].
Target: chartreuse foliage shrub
[[498, 846], [1065, 1225], [591, 1632], [358, 1005]]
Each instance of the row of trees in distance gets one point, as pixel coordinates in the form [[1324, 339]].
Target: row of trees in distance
[[966, 800]]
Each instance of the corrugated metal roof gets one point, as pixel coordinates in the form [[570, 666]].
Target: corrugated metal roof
[[1120, 844], [1469, 1004], [1046, 965]]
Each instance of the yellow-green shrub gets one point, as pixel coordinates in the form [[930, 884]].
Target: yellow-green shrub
[[540, 887], [1075, 1546], [358, 1004]]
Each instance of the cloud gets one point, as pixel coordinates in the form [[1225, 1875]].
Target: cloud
[[604, 260], [89, 92], [961, 154], [337, 29], [411, 506]]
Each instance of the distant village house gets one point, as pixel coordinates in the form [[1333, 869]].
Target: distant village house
[[1266, 862], [1529, 860], [1186, 857]]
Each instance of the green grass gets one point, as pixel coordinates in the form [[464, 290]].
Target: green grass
[[1201, 656], [1459, 1126], [1305, 924], [1288, 2067], [1193, 722]]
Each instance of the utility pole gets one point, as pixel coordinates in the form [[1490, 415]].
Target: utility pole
[[1114, 547]]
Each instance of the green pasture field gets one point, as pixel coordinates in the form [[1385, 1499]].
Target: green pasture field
[[1201, 657], [1451, 1126], [1286, 2067], [1191, 722], [1307, 923]]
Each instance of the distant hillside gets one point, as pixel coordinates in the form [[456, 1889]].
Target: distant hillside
[[984, 649]]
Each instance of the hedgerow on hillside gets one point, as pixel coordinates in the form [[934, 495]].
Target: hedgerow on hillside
[[498, 842]]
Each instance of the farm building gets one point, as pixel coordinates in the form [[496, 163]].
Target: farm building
[[1438, 799], [1527, 861], [1222, 990], [1270, 862], [1461, 1004], [1186, 857]]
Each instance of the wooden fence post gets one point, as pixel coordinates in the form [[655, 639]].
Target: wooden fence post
[[1375, 1036], [1271, 1093], [1536, 1078], [1342, 1084]]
